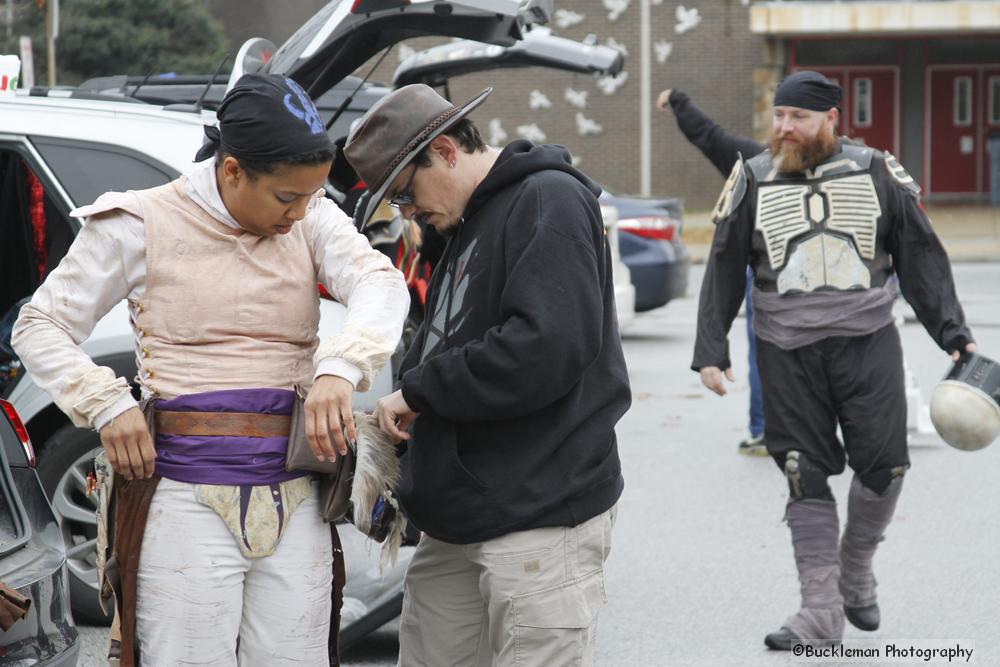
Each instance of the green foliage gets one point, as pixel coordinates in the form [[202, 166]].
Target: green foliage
[[104, 37]]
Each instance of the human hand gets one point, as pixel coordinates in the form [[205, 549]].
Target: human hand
[[395, 416], [955, 354], [711, 377], [328, 416], [663, 101], [129, 446]]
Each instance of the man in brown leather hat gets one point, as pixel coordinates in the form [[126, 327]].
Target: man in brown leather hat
[[512, 388]]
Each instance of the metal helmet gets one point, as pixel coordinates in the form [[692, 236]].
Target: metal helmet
[[965, 407]]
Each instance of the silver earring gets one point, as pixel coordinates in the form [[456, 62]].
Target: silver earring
[[451, 165]]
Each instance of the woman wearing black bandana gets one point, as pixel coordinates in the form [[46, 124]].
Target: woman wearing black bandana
[[219, 554], [823, 224]]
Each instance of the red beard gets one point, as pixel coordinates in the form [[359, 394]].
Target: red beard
[[798, 157]]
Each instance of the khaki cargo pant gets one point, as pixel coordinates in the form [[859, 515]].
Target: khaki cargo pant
[[526, 599]]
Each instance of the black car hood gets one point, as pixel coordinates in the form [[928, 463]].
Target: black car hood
[[344, 34], [538, 48]]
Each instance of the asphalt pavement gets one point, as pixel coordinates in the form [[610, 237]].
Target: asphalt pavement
[[701, 567]]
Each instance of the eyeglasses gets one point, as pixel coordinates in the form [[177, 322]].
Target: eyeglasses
[[405, 196]]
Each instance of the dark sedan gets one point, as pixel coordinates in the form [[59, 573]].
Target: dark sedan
[[32, 558], [649, 238]]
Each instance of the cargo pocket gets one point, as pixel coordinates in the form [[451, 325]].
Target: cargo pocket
[[558, 626]]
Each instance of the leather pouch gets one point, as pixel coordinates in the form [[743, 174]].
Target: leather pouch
[[334, 478], [13, 606]]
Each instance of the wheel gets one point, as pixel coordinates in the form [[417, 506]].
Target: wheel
[[63, 465]]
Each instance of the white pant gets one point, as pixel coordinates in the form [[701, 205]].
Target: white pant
[[197, 593], [529, 598]]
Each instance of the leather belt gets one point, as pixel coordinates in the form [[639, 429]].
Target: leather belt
[[238, 424]]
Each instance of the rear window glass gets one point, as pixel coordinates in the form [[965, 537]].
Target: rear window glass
[[88, 170]]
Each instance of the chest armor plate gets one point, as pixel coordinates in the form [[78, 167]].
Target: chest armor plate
[[818, 233]]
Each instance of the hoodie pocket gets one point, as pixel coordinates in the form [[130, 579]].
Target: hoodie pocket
[[437, 489], [473, 478], [435, 464]]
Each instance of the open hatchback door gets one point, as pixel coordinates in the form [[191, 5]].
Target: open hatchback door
[[538, 48], [344, 34]]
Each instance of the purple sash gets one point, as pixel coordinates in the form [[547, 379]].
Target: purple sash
[[231, 460]]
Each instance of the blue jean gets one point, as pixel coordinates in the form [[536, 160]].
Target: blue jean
[[756, 399]]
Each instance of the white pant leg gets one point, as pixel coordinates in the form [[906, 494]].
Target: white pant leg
[[190, 583], [287, 596], [444, 615]]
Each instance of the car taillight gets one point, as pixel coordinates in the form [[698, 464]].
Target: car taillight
[[650, 227], [22, 433]]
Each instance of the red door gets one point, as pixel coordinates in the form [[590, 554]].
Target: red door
[[956, 145], [991, 110], [869, 108]]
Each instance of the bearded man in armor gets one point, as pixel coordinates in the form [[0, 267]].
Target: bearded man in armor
[[824, 223]]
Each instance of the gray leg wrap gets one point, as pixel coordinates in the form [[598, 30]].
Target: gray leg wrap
[[815, 531], [868, 515]]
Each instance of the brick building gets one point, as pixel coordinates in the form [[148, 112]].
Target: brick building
[[897, 61]]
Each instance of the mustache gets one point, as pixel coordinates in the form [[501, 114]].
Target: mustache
[[801, 154]]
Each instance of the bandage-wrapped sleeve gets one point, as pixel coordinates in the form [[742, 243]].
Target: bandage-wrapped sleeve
[[89, 281], [373, 291]]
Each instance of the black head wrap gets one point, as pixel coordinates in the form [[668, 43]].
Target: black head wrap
[[266, 118], [807, 90]]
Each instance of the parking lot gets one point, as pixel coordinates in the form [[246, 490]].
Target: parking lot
[[701, 568]]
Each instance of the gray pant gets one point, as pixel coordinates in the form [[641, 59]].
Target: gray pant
[[528, 598]]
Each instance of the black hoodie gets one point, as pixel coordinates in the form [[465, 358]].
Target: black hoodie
[[518, 372]]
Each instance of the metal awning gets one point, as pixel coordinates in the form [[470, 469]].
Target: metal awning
[[871, 18]]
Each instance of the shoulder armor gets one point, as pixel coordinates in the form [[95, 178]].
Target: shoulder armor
[[852, 158], [899, 174], [761, 165], [732, 193], [861, 155]]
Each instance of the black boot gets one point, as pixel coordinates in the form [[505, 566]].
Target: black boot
[[782, 640], [864, 618]]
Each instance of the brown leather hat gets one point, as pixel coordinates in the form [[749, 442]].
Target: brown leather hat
[[395, 129]]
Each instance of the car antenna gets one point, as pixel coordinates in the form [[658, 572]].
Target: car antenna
[[350, 98], [211, 81], [141, 83]]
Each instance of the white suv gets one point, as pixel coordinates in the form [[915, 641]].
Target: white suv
[[61, 149]]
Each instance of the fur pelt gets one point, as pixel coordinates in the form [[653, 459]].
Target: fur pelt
[[376, 474]]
